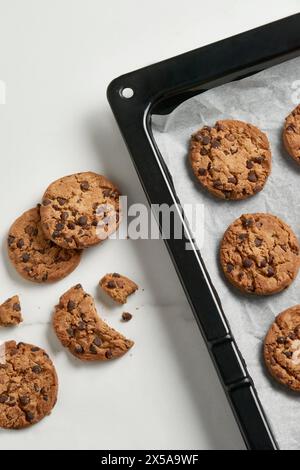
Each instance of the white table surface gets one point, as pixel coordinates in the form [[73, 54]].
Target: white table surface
[[57, 58]]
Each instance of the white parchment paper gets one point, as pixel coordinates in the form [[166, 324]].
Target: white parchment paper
[[264, 99]]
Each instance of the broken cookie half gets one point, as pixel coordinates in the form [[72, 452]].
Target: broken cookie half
[[81, 330], [10, 312]]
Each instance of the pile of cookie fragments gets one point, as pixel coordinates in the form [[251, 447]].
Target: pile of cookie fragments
[[45, 244], [259, 253]]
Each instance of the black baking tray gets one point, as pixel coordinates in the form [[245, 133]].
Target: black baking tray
[[158, 89]]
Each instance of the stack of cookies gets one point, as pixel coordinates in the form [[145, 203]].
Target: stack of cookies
[[259, 253]]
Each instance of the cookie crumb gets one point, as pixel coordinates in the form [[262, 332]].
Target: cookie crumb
[[118, 287], [126, 316], [10, 312]]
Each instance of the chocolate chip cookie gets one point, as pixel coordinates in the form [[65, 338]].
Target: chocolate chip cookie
[[81, 210], [34, 257], [28, 385], [80, 329], [10, 312], [260, 254], [232, 160], [118, 287], [291, 134], [282, 348]]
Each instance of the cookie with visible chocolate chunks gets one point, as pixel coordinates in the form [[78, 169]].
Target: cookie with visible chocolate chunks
[[260, 254], [80, 210], [80, 329], [28, 385], [282, 348], [291, 134], [10, 312], [232, 160], [118, 287], [34, 257]]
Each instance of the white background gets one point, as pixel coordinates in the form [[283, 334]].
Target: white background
[[57, 58]]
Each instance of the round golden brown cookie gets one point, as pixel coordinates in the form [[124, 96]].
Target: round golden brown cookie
[[260, 254], [291, 134], [28, 385], [232, 160], [80, 210], [282, 348], [80, 329], [34, 257]]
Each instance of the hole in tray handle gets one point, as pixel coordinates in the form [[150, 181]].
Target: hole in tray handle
[[127, 93]]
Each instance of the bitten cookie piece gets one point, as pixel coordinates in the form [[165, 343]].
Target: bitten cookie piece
[[118, 287], [10, 312], [80, 210], [260, 254], [232, 160], [291, 134], [282, 348], [34, 257], [80, 329], [28, 385]]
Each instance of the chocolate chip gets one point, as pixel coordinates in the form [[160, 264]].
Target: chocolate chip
[[247, 263], [252, 177], [229, 267], [292, 336], [84, 186], [247, 222], [36, 387], [249, 164], [34, 349], [25, 257], [111, 285], [202, 171], [70, 332], [288, 354], [36, 369], [61, 201], [64, 215], [116, 275], [203, 151], [3, 398], [79, 349], [270, 272], [281, 340], [17, 307], [71, 226], [82, 221], [78, 286], [71, 305], [20, 243], [106, 192], [215, 144], [29, 416], [10, 240], [24, 400], [108, 354], [81, 326], [126, 316], [258, 242], [232, 179], [220, 127], [46, 202], [263, 263], [206, 139], [97, 341], [59, 226], [217, 184], [259, 160], [243, 236], [56, 234], [93, 349], [95, 223]]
